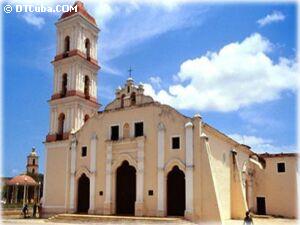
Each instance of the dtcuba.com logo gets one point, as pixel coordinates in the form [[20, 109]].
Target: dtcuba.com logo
[[39, 8]]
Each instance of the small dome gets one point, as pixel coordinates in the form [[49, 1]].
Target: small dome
[[22, 180], [33, 152]]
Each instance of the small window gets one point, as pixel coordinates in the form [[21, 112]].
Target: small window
[[114, 134], [67, 44], [87, 48], [175, 143], [83, 151], [280, 167], [86, 86], [33, 170], [33, 161], [150, 192], [100, 193], [64, 85], [139, 129]]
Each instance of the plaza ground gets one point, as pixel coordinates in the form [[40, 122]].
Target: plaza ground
[[133, 221]]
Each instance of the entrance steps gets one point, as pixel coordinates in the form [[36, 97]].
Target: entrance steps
[[118, 219]]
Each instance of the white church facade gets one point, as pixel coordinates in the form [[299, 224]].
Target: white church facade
[[137, 156]]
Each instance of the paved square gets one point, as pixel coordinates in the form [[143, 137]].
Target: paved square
[[130, 222]]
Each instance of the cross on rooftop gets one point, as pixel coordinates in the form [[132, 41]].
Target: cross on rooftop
[[130, 70]]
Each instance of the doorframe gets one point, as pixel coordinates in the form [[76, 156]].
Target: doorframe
[[264, 197]]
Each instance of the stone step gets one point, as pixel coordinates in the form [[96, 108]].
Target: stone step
[[123, 219]]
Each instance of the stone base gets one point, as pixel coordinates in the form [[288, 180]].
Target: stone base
[[139, 209], [71, 211], [160, 213], [91, 211], [189, 215], [107, 208]]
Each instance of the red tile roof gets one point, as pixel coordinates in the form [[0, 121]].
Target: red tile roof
[[22, 180], [80, 9]]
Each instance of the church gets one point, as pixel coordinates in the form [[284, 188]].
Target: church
[[137, 156]]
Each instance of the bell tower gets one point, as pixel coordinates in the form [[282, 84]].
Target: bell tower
[[74, 98], [32, 166]]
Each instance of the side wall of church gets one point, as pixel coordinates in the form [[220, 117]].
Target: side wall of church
[[222, 167]]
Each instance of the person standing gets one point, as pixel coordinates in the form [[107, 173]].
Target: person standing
[[40, 210], [248, 220], [34, 210], [25, 211]]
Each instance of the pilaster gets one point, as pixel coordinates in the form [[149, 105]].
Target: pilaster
[[189, 172], [160, 170], [72, 174], [107, 209], [139, 204], [93, 172]]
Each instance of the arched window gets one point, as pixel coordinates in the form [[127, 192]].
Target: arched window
[[122, 100], [67, 44], [33, 161], [33, 170], [133, 98], [126, 130], [87, 86], [86, 117], [87, 48], [64, 85], [61, 123]]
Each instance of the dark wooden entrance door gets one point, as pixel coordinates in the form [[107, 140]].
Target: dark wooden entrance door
[[83, 200], [261, 205], [175, 192], [126, 189]]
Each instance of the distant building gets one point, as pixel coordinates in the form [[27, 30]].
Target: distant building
[[12, 188], [275, 187], [32, 162]]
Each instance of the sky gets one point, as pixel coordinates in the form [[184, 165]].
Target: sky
[[232, 63]]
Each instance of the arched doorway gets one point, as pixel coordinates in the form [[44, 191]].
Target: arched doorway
[[175, 192], [125, 189], [83, 199]]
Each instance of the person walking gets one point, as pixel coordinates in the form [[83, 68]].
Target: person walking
[[248, 220]]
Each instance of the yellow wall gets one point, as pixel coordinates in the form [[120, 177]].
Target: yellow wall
[[279, 189]]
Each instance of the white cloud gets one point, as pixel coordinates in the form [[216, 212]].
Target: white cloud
[[34, 20], [276, 16], [239, 75], [156, 81], [110, 70], [261, 145]]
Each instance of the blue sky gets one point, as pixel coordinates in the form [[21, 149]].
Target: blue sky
[[167, 46]]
